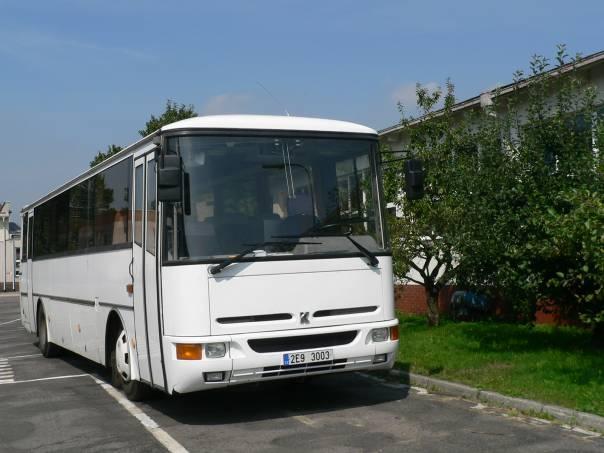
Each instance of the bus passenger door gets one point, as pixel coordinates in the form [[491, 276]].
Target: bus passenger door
[[25, 289], [140, 318], [146, 313], [150, 273]]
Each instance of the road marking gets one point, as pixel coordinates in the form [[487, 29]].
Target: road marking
[[304, 419], [479, 406], [587, 433], [420, 390], [10, 322], [19, 357], [46, 379], [7, 374], [150, 425]]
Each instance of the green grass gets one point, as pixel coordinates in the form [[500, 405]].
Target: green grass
[[555, 365]]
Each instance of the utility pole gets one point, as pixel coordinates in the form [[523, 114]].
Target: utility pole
[[14, 262], [4, 217], [4, 256]]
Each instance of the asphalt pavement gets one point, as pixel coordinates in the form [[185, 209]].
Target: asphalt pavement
[[64, 404]]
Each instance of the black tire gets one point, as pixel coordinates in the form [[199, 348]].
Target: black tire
[[134, 390], [47, 348]]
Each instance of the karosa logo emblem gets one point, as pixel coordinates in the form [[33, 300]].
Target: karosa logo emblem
[[304, 317]]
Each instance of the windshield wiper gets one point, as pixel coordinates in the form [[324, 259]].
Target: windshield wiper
[[233, 259], [315, 232]]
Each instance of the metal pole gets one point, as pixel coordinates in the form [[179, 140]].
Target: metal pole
[[14, 264], [4, 267]]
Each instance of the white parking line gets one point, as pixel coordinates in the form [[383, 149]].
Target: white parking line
[[19, 356], [150, 425], [9, 322], [15, 344], [46, 379]]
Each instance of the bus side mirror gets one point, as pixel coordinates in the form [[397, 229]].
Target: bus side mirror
[[169, 178], [414, 179]]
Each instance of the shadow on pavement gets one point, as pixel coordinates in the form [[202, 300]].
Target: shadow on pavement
[[275, 399]]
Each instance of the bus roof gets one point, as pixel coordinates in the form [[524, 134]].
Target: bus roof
[[268, 122], [224, 122]]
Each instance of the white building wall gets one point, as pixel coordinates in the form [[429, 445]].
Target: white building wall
[[10, 246]]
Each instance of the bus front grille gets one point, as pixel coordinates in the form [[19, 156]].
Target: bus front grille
[[301, 342], [255, 318], [305, 368], [344, 311]]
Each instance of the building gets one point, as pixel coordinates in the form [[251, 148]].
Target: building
[[10, 250], [410, 297]]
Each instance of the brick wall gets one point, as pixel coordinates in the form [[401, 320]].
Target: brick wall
[[412, 299]]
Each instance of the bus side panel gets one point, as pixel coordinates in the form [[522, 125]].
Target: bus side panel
[[58, 316], [73, 290], [108, 277]]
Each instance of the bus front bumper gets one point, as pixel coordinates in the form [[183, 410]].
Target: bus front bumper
[[244, 363]]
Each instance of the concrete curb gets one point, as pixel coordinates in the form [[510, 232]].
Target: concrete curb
[[562, 414]]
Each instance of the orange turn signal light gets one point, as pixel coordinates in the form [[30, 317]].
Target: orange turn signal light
[[394, 333], [186, 351]]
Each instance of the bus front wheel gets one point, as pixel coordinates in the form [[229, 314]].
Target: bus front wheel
[[121, 374]]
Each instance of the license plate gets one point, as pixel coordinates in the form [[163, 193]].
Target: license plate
[[300, 358]]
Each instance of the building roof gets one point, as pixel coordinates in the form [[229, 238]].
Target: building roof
[[13, 228], [268, 122], [589, 60]]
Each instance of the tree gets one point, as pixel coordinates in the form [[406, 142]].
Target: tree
[[101, 156], [514, 196], [174, 112], [423, 233], [540, 242]]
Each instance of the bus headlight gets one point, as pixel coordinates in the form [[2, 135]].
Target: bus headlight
[[379, 335], [215, 350]]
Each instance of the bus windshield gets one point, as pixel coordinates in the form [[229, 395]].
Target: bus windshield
[[275, 192]]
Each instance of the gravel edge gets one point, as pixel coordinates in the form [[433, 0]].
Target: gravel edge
[[561, 414]]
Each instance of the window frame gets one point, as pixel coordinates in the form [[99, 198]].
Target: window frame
[[271, 133]]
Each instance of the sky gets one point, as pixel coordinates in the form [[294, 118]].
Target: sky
[[76, 76]]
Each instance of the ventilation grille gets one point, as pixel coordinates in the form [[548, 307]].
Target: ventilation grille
[[305, 368], [255, 318], [344, 311], [282, 344]]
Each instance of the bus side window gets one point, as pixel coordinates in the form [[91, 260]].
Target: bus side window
[[24, 239], [151, 207], [138, 205]]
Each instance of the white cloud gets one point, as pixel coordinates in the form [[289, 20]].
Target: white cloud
[[227, 103], [34, 43], [406, 94]]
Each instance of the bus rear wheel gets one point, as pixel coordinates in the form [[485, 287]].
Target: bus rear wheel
[[121, 369], [47, 348]]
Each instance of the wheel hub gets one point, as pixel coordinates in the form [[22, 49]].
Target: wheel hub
[[122, 356]]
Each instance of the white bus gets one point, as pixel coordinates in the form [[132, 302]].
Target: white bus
[[219, 250]]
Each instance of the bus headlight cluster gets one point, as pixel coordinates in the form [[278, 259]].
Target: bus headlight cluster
[[215, 350], [379, 335]]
